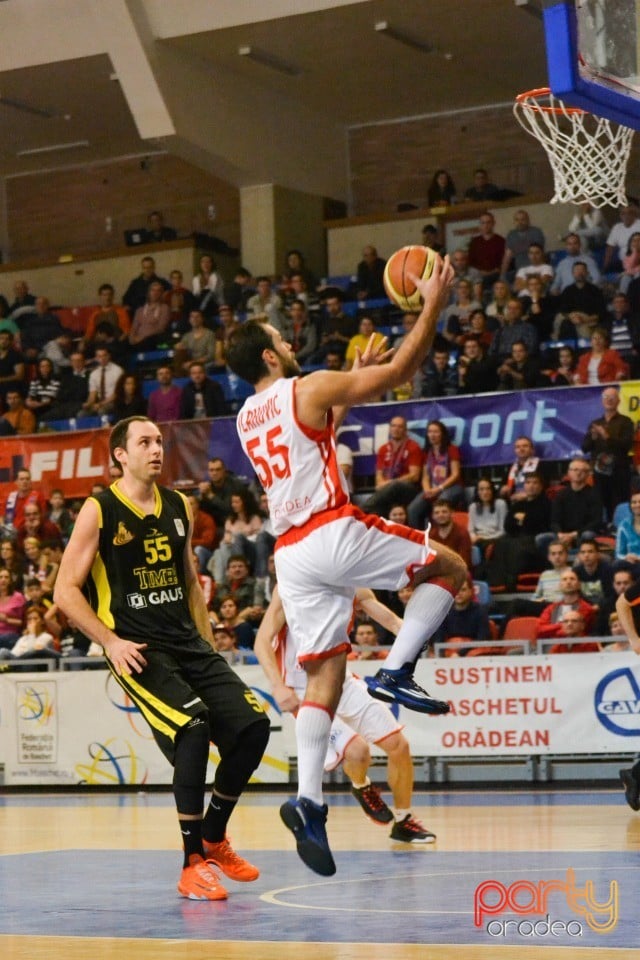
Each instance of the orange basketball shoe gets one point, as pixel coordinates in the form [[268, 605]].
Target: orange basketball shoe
[[232, 864], [199, 882]]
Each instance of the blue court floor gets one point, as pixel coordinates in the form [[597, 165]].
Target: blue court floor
[[389, 893]]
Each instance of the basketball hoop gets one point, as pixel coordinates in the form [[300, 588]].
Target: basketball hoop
[[588, 154]]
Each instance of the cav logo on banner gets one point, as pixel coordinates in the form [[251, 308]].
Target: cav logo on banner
[[617, 702]]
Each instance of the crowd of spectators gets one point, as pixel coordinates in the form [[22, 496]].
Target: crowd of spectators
[[517, 319]]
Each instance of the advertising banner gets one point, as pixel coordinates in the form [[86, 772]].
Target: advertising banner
[[80, 728], [74, 728], [483, 426]]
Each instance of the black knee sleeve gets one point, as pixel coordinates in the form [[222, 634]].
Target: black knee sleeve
[[190, 766], [238, 763]]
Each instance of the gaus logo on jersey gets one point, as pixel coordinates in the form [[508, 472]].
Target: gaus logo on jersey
[[154, 597], [136, 600], [122, 536]]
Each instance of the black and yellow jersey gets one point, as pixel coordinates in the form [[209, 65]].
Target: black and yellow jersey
[[137, 582]]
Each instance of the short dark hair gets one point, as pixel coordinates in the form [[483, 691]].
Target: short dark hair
[[589, 541], [238, 558], [244, 352], [118, 436], [106, 286]]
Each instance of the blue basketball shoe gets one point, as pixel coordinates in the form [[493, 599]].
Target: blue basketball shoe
[[306, 820], [398, 686]]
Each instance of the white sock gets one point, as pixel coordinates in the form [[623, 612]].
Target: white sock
[[313, 725], [401, 814], [365, 783], [427, 607]]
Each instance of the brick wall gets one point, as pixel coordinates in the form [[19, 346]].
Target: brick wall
[[393, 163], [64, 212]]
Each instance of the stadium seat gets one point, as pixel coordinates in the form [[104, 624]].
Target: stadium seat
[[527, 582], [481, 593], [521, 628]]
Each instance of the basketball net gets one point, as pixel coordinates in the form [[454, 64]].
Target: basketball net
[[588, 154]]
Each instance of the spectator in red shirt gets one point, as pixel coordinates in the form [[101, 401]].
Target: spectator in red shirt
[[446, 530], [398, 469], [570, 616], [18, 499], [486, 250], [35, 525], [573, 628], [203, 537]]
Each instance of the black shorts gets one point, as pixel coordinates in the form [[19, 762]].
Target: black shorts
[[187, 680]]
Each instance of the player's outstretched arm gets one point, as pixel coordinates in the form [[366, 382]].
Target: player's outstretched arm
[[324, 389], [77, 559], [625, 616], [377, 610], [375, 352], [272, 622]]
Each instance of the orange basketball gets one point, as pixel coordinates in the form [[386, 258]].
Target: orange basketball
[[418, 261]]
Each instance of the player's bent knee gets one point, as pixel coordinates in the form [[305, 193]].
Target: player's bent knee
[[396, 747], [237, 765], [190, 765], [357, 751]]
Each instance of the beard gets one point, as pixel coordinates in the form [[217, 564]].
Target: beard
[[290, 367]]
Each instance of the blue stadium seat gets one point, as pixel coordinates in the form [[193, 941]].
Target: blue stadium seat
[[555, 256], [77, 423], [234, 388], [481, 593], [342, 281]]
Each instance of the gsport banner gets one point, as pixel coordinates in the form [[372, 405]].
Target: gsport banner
[[483, 426]]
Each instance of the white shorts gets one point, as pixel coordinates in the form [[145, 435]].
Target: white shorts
[[318, 573], [357, 713]]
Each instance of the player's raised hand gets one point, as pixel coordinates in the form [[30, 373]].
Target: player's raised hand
[[439, 283], [375, 352]]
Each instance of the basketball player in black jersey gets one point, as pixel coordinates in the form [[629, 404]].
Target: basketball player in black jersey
[[128, 581], [628, 610]]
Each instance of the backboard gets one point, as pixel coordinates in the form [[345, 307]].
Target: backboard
[[593, 56]]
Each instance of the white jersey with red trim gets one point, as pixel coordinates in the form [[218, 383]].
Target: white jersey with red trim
[[356, 712], [296, 465], [292, 673]]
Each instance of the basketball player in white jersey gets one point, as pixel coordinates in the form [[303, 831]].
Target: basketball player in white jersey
[[327, 547], [359, 720]]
